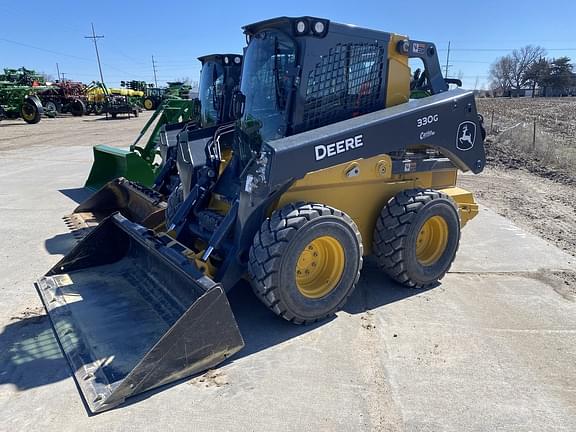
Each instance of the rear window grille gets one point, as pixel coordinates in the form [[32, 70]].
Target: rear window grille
[[345, 83]]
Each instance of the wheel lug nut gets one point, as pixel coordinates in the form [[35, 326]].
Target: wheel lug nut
[[315, 254]]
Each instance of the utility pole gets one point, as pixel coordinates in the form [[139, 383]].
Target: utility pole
[[95, 40], [63, 74], [58, 70], [154, 69], [447, 61]]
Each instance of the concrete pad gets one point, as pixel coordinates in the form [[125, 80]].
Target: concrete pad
[[491, 348], [492, 243]]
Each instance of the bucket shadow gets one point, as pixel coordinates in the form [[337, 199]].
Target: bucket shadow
[[77, 194], [60, 244], [31, 355]]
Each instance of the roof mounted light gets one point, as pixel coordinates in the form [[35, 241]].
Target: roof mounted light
[[226, 60], [319, 27], [237, 60], [301, 27]]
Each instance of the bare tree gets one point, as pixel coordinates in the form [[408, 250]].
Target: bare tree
[[513, 71], [501, 73], [522, 61]]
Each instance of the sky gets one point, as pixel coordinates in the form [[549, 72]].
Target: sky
[[39, 34]]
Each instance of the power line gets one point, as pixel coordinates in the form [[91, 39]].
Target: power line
[[44, 49], [95, 40]]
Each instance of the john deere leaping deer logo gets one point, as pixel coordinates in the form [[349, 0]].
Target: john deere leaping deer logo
[[466, 135]]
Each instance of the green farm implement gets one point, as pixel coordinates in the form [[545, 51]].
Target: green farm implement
[[138, 163]]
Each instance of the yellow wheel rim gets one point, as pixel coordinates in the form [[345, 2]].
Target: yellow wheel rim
[[27, 113], [320, 267], [432, 240], [148, 104]]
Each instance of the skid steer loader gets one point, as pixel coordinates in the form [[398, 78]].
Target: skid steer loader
[[328, 162], [130, 173]]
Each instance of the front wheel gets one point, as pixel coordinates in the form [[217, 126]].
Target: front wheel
[[77, 108], [305, 261], [416, 237]]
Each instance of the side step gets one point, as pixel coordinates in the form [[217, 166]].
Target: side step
[[132, 312], [137, 203]]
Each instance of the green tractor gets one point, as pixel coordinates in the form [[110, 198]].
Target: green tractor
[[18, 88], [19, 101], [153, 97]]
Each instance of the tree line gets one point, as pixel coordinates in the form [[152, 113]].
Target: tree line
[[529, 68]]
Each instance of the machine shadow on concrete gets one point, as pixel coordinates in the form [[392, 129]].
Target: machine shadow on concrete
[[31, 355], [76, 194]]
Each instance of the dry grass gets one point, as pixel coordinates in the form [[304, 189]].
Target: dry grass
[[512, 143]]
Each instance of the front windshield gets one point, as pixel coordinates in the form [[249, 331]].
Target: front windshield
[[266, 82], [210, 93]]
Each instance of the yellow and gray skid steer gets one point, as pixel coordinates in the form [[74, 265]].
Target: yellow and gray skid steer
[[129, 194], [329, 161]]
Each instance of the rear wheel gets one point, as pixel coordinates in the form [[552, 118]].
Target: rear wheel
[[417, 236], [305, 261], [30, 112], [149, 103]]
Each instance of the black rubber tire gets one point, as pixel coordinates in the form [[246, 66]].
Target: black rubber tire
[[275, 251], [30, 112], [396, 232], [53, 106], [77, 108], [174, 201]]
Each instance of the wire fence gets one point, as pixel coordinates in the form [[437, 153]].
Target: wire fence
[[534, 138]]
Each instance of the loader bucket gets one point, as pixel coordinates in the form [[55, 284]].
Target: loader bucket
[[113, 162], [137, 203], [131, 312]]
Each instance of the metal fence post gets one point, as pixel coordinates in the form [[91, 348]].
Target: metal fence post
[[534, 135], [492, 123]]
